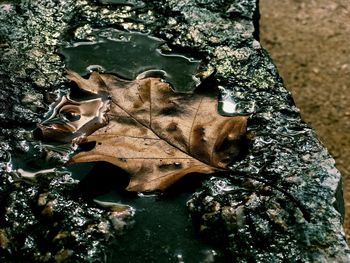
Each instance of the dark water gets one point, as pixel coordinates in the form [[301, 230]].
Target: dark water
[[162, 231], [131, 55]]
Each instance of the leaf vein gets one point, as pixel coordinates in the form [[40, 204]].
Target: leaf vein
[[192, 125], [129, 136]]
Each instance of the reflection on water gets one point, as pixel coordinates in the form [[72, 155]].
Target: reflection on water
[[130, 54], [31, 175], [233, 103]]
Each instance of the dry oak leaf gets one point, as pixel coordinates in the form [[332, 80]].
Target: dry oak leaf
[[155, 134]]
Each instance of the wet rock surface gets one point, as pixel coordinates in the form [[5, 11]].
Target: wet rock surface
[[282, 202]]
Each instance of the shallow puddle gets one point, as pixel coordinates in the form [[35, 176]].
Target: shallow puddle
[[162, 231], [131, 55]]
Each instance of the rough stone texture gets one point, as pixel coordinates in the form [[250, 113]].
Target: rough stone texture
[[316, 69], [280, 203]]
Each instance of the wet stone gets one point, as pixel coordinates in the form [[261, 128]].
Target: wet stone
[[281, 202]]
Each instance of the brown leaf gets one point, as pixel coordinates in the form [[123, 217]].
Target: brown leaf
[[145, 128]]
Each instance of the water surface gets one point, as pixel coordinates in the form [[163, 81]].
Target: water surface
[[131, 55]]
